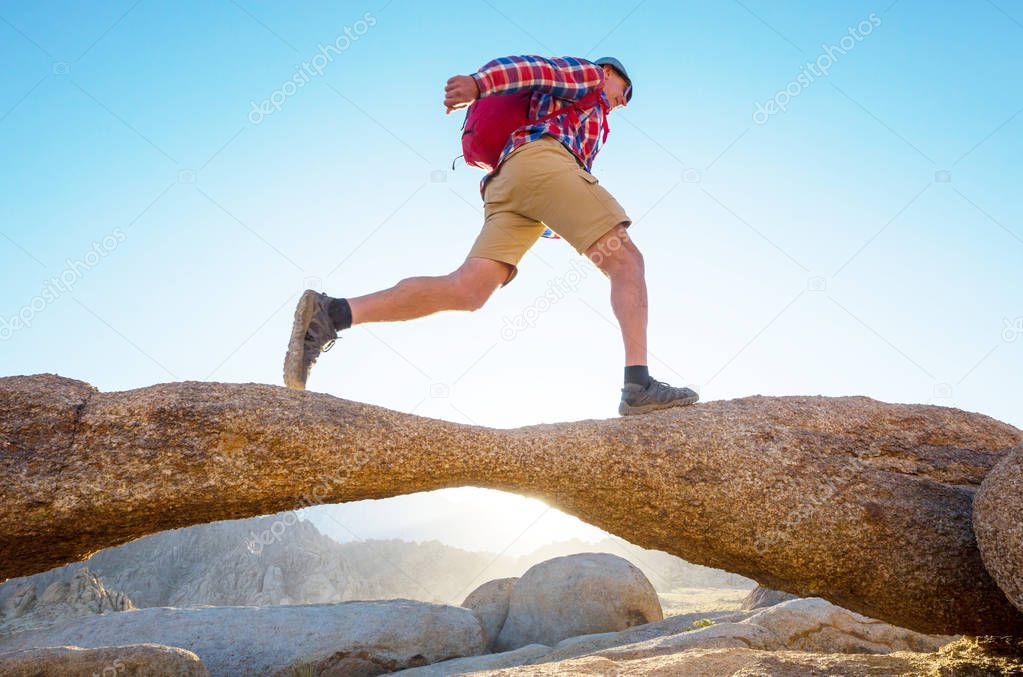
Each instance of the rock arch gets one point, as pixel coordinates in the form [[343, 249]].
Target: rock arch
[[864, 503]]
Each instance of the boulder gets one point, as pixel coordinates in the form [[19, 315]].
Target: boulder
[[132, 660], [815, 624], [761, 597], [864, 503], [350, 638], [998, 521], [577, 595], [490, 604]]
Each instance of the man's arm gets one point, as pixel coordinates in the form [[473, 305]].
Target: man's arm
[[565, 77]]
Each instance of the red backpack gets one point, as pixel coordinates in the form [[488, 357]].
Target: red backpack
[[490, 121]]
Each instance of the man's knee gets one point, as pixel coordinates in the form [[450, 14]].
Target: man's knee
[[615, 251], [476, 280], [473, 296]]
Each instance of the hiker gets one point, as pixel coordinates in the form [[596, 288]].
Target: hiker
[[537, 184]]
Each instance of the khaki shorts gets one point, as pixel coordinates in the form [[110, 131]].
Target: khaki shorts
[[541, 184]]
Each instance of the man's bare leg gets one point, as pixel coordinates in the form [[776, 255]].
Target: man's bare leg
[[467, 288], [319, 317], [620, 260]]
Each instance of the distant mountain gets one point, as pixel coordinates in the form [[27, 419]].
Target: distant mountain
[[82, 594], [266, 560], [279, 559]]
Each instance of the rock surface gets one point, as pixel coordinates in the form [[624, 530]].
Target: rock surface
[[761, 597], [134, 660], [865, 503], [964, 657], [490, 604], [350, 638], [998, 521], [729, 663], [818, 629], [672, 625], [811, 624], [577, 595], [491, 661], [538, 654]]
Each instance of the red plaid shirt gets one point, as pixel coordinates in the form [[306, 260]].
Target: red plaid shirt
[[555, 81]]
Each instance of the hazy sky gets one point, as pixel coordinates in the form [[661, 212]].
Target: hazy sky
[[822, 194]]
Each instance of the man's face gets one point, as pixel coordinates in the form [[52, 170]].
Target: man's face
[[614, 87]]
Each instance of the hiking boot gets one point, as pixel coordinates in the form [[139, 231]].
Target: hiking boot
[[658, 395], [312, 333]]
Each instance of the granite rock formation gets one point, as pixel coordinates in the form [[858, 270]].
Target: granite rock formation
[[864, 503], [577, 595], [998, 521]]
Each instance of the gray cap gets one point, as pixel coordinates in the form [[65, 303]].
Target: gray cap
[[617, 65]]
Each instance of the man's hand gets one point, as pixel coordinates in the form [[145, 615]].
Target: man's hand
[[460, 91]]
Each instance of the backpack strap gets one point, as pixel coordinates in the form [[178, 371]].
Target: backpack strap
[[592, 99]]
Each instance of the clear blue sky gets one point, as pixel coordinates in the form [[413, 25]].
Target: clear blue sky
[[862, 241]]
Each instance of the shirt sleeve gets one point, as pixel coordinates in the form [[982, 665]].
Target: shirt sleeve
[[564, 77]]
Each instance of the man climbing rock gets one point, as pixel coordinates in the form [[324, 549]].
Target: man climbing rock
[[538, 184]]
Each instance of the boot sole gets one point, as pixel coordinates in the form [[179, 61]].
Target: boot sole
[[293, 376], [629, 410]]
